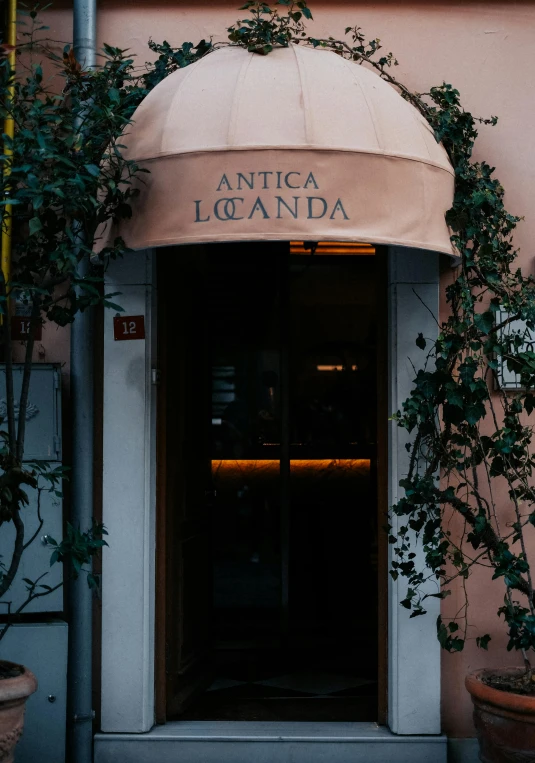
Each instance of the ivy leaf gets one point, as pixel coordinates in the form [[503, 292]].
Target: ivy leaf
[[454, 397], [442, 633], [467, 371], [474, 412], [484, 321], [35, 225], [420, 341], [483, 641]]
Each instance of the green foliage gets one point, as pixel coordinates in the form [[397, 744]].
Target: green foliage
[[468, 441], [63, 173], [454, 397], [452, 400], [267, 28], [78, 548], [62, 178], [171, 59]]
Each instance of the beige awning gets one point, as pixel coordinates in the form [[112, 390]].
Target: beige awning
[[296, 145]]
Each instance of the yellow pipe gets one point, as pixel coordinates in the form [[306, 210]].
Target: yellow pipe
[[9, 129]]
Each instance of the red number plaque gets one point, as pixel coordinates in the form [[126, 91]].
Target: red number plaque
[[20, 328], [128, 327]]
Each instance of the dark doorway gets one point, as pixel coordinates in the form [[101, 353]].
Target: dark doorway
[[271, 492]]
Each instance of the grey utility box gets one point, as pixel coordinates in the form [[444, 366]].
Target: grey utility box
[[41, 647], [36, 558], [43, 418], [43, 443]]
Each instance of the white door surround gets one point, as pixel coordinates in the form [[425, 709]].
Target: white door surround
[[129, 514]]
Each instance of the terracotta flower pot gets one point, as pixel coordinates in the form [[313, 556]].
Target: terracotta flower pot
[[505, 722], [13, 695]]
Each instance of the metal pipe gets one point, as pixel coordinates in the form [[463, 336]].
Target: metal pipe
[[80, 687], [85, 32]]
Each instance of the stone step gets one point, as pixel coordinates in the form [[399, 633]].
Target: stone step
[[265, 742]]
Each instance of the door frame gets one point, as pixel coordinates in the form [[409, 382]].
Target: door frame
[[164, 626], [133, 496]]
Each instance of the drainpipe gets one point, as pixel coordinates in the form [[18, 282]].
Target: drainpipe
[[80, 710]]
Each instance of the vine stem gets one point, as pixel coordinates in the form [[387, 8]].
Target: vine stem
[[8, 348], [25, 388]]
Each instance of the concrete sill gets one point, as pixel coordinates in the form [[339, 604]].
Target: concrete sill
[[265, 742]]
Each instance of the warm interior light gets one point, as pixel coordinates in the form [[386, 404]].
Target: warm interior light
[[334, 368], [333, 247], [297, 464]]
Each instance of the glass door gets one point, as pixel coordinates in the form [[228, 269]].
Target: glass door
[[291, 346]]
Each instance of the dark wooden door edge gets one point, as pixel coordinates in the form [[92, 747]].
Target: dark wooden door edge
[[382, 477]]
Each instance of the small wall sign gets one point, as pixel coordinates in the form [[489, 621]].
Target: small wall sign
[[508, 380], [20, 328], [127, 327]]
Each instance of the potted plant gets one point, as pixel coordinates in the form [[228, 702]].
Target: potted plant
[[16, 685]]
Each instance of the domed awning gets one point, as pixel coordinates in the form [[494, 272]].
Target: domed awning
[[299, 144]]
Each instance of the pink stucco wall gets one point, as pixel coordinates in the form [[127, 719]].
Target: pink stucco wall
[[485, 49]]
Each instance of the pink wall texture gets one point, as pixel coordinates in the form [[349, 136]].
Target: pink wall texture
[[486, 50]]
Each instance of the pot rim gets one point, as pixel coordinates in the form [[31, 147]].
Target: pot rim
[[18, 687], [481, 692]]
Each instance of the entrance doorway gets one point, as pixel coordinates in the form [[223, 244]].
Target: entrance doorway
[[268, 452]]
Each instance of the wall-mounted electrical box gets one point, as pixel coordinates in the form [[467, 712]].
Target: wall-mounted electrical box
[[43, 417], [43, 443]]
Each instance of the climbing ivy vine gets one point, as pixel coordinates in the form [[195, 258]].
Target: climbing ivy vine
[[471, 446]]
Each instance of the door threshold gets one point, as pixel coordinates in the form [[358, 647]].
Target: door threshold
[[268, 742]]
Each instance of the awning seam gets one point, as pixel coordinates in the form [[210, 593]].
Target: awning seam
[[300, 147], [236, 99], [176, 95], [371, 110], [420, 126], [307, 112]]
